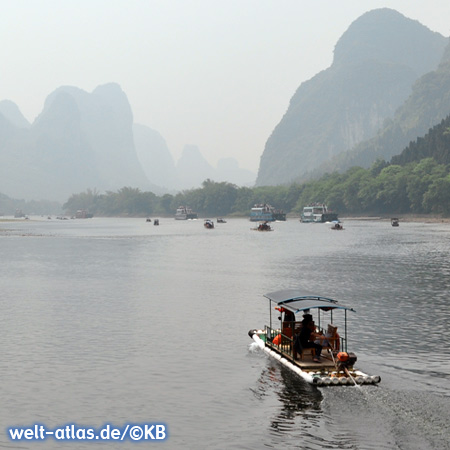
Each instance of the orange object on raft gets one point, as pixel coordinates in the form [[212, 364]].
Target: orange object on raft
[[342, 356], [277, 339]]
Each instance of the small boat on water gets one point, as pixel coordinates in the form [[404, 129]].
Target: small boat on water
[[221, 221], [185, 213], [336, 365], [263, 226], [156, 222], [318, 213], [208, 224], [148, 219], [395, 222], [337, 225], [267, 213]]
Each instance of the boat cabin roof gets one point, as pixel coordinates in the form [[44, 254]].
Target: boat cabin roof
[[294, 300]]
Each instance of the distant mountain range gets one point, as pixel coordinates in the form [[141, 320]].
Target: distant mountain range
[[190, 170], [86, 141], [389, 82]]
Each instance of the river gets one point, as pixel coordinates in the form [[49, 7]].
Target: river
[[117, 321]]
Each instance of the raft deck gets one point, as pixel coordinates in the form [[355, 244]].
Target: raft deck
[[306, 363]]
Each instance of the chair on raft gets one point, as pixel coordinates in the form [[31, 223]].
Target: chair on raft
[[299, 351]]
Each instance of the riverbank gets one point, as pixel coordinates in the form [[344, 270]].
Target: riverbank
[[423, 218]]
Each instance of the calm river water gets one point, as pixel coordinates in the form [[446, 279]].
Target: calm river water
[[118, 321]]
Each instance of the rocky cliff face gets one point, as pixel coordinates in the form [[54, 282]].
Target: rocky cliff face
[[376, 62], [427, 106]]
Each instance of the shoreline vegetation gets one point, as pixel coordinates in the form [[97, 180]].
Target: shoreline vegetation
[[421, 218]]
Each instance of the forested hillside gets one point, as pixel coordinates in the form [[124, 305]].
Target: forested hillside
[[435, 144]]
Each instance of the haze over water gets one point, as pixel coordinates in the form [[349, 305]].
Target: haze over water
[[119, 321]]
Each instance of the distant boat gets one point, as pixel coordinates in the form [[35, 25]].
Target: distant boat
[[208, 224], [83, 214], [318, 213], [267, 213], [395, 222], [337, 225], [221, 221], [263, 226], [156, 222], [148, 219], [185, 213]]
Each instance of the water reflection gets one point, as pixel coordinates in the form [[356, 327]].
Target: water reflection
[[296, 398]]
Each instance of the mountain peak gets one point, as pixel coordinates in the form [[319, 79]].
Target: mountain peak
[[386, 35], [12, 112]]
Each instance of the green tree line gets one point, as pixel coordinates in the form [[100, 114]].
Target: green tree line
[[416, 187]]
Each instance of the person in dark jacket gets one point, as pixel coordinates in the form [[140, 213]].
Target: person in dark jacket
[[307, 336]]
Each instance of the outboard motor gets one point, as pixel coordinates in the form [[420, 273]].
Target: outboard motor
[[346, 360]]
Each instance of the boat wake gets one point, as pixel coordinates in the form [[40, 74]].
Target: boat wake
[[253, 347]]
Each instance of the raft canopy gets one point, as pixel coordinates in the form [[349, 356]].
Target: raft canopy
[[294, 300]]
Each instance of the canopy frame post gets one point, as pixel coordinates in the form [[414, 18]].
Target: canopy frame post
[[270, 312], [345, 329]]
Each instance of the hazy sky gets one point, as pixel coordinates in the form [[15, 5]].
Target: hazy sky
[[215, 73]]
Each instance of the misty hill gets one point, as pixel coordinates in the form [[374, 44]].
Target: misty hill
[[86, 141], [11, 112], [105, 123], [228, 170], [79, 141], [154, 156], [190, 170], [376, 62]]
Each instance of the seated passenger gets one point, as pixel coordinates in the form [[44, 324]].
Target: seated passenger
[[331, 338], [306, 338], [288, 322]]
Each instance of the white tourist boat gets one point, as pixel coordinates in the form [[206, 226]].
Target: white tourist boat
[[185, 213], [318, 213]]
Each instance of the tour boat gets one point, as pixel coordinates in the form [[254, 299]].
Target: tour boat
[[336, 366], [83, 214], [185, 213], [267, 213], [317, 212]]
